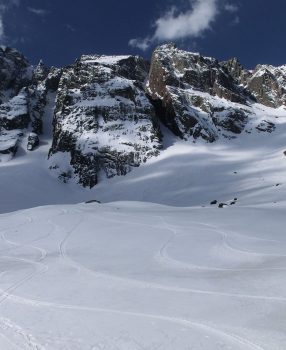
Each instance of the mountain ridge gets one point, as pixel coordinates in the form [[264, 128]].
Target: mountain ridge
[[109, 110]]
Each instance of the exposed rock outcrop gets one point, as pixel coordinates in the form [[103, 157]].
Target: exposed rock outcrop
[[237, 71], [23, 97], [265, 84], [103, 118], [14, 113], [189, 91], [44, 81], [15, 73], [268, 85]]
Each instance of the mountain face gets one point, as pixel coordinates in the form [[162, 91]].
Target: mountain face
[[189, 91], [198, 96], [23, 94], [103, 118], [109, 110]]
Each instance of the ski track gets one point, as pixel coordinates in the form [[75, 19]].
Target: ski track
[[27, 341], [41, 268], [147, 285], [62, 245], [162, 255], [183, 322]]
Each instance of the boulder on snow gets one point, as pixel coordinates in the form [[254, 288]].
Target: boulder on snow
[[266, 126], [222, 205]]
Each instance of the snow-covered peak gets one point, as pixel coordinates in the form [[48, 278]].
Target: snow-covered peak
[[109, 116], [104, 60], [268, 85], [180, 61]]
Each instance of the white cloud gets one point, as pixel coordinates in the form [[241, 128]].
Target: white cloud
[[231, 8], [142, 44], [37, 11], [185, 25], [175, 25]]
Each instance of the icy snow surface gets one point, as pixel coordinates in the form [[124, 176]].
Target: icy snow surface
[[135, 275]]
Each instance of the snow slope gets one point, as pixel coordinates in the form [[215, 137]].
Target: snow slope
[[135, 275], [143, 276], [251, 168], [185, 174], [27, 181]]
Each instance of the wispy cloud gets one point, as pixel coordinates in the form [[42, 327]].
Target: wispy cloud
[[2, 33], [5, 6], [3, 9], [235, 21], [70, 27], [175, 24], [37, 11], [232, 8], [142, 44]]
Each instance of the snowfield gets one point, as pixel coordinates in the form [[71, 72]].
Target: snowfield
[[130, 274], [143, 276]]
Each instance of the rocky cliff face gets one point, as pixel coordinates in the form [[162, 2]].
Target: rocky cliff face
[[109, 109], [23, 98], [198, 96], [103, 118], [266, 84], [190, 91], [15, 73], [44, 81]]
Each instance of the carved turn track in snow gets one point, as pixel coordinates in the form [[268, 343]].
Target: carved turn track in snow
[[133, 272]]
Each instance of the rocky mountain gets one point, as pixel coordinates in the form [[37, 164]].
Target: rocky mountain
[[103, 118], [24, 92], [109, 110], [198, 96], [267, 84]]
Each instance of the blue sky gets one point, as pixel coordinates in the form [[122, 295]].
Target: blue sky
[[59, 31]]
